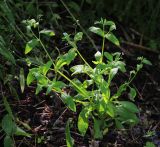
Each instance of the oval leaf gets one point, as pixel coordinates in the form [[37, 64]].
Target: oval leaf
[[8, 141], [83, 121], [129, 106]]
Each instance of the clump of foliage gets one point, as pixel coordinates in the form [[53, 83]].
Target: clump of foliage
[[10, 127], [93, 94]]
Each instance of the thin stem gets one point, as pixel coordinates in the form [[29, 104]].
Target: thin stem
[[82, 92], [83, 59], [135, 73], [103, 44]]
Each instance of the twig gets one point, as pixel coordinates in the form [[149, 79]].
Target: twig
[[137, 46]]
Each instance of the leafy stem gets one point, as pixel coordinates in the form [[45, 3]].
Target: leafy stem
[[74, 84]]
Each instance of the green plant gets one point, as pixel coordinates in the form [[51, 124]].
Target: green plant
[[93, 94], [149, 144], [10, 127]]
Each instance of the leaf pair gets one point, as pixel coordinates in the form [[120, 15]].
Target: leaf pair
[[101, 32]]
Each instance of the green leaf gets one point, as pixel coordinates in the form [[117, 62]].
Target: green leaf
[[112, 25], [112, 38], [44, 69], [83, 120], [101, 106], [20, 132], [42, 80], [108, 56], [97, 31], [8, 141], [55, 85], [98, 134], [7, 107], [69, 139], [120, 65], [47, 32], [119, 124], [145, 61], [80, 89], [110, 109], [87, 83], [121, 89], [5, 52], [39, 88], [78, 36], [126, 116], [149, 144], [78, 69], [30, 45], [69, 101], [104, 22], [113, 72], [139, 66], [66, 59], [129, 106], [8, 125], [132, 93], [22, 79], [30, 77]]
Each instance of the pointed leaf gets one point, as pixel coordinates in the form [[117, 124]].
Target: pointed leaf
[[83, 119], [7, 107], [22, 79], [69, 139], [66, 59], [113, 72], [108, 56], [132, 93], [78, 69], [112, 38], [55, 85], [8, 125], [30, 78], [47, 32], [145, 61], [39, 88], [97, 31], [110, 109], [30, 45], [20, 132], [44, 69]]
